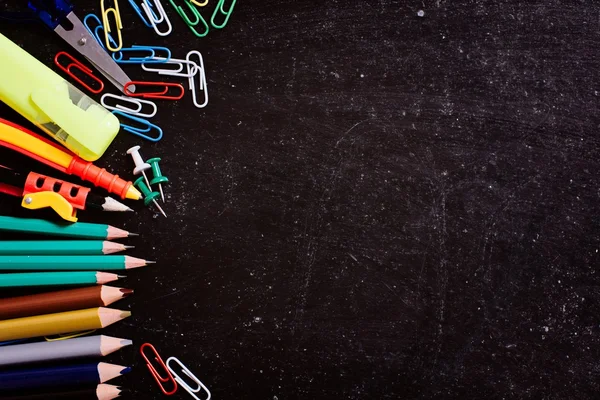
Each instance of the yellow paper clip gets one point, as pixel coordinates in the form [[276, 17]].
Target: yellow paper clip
[[199, 4], [35, 201], [115, 11], [65, 336]]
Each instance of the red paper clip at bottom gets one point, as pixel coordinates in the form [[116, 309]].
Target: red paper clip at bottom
[[78, 66], [155, 95], [159, 379]]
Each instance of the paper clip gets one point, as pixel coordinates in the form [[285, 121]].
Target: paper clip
[[149, 59], [95, 31], [148, 126], [115, 11], [80, 67], [138, 102], [155, 95], [199, 4], [191, 24], [155, 21], [201, 80], [157, 377], [143, 16], [183, 384], [222, 11], [175, 72], [66, 336]]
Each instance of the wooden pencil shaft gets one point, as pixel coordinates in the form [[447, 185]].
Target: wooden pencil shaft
[[48, 279], [53, 302], [51, 351], [62, 263], [50, 324], [52, 247], [76, 230]]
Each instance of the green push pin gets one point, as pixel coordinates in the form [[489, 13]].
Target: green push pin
[[149, 195], [158, 176]]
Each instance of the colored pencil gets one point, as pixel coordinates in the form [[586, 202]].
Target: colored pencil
[[78, 374], [64, 300], [92, 346], [70, 263], [55, 324], [60, 247], [101, 392], [80, 230], [56, 279]]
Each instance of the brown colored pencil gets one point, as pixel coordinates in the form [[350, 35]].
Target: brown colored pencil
[[64, 300]]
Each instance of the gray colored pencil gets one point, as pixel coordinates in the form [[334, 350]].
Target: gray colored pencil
[[92, 346]]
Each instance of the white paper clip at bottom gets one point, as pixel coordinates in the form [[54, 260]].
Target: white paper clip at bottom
[[162, 17], [126, 99], [191, 67], [183, 384], [201, 79]]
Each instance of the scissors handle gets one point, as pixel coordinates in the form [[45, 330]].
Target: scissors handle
[[51, 12]]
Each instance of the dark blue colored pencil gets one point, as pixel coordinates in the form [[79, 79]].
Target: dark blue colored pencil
[[69, 375]]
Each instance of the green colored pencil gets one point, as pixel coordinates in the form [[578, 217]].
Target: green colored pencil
[[60, 247], [70, 263], [56, 279], [80, 230]]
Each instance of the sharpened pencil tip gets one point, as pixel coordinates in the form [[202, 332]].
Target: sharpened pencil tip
[[125, 314], [126, 292], [121, 276], [125, 370], [133, 234], [126, 342], [129, 247], [150, 262]]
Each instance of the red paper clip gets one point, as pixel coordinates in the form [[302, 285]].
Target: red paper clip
[[159, 379], [79, 66], [154, 95]]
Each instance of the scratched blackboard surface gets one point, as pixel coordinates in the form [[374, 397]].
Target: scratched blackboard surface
[[382, 200]]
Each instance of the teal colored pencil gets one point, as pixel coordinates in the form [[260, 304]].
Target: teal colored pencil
[[59, 247], [56, 279], [80, 230], [70, 263]]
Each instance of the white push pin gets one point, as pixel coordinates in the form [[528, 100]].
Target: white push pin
[[140, 165]]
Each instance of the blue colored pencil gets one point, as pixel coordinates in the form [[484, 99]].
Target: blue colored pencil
[[69, 375]]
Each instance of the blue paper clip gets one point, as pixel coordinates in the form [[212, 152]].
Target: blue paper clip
[[138, 131], [95, 31], [141, 12], [150, 59]]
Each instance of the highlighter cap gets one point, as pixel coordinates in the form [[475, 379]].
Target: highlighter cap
[[75, 120]]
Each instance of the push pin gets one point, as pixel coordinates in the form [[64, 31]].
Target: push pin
[[158, 176], [140, 165], [149, 195]]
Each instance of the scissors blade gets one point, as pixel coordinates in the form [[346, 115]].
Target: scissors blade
[[81, 40]]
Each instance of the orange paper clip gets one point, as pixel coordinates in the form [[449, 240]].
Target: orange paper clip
[[157, 377], [78, 66], [155, 95]]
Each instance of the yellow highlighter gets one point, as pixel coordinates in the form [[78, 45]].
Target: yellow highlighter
[[53, 104]]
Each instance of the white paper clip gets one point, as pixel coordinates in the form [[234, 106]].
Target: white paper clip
[[201, 79], [162, 17], [173, 72], [183, 384], [126, 99]]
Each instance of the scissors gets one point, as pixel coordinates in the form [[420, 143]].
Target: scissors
[[54, 13]]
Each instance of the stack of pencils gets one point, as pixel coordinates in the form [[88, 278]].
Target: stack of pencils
[[43, 351]]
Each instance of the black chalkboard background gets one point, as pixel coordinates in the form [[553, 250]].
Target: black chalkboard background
[[374, 205]]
